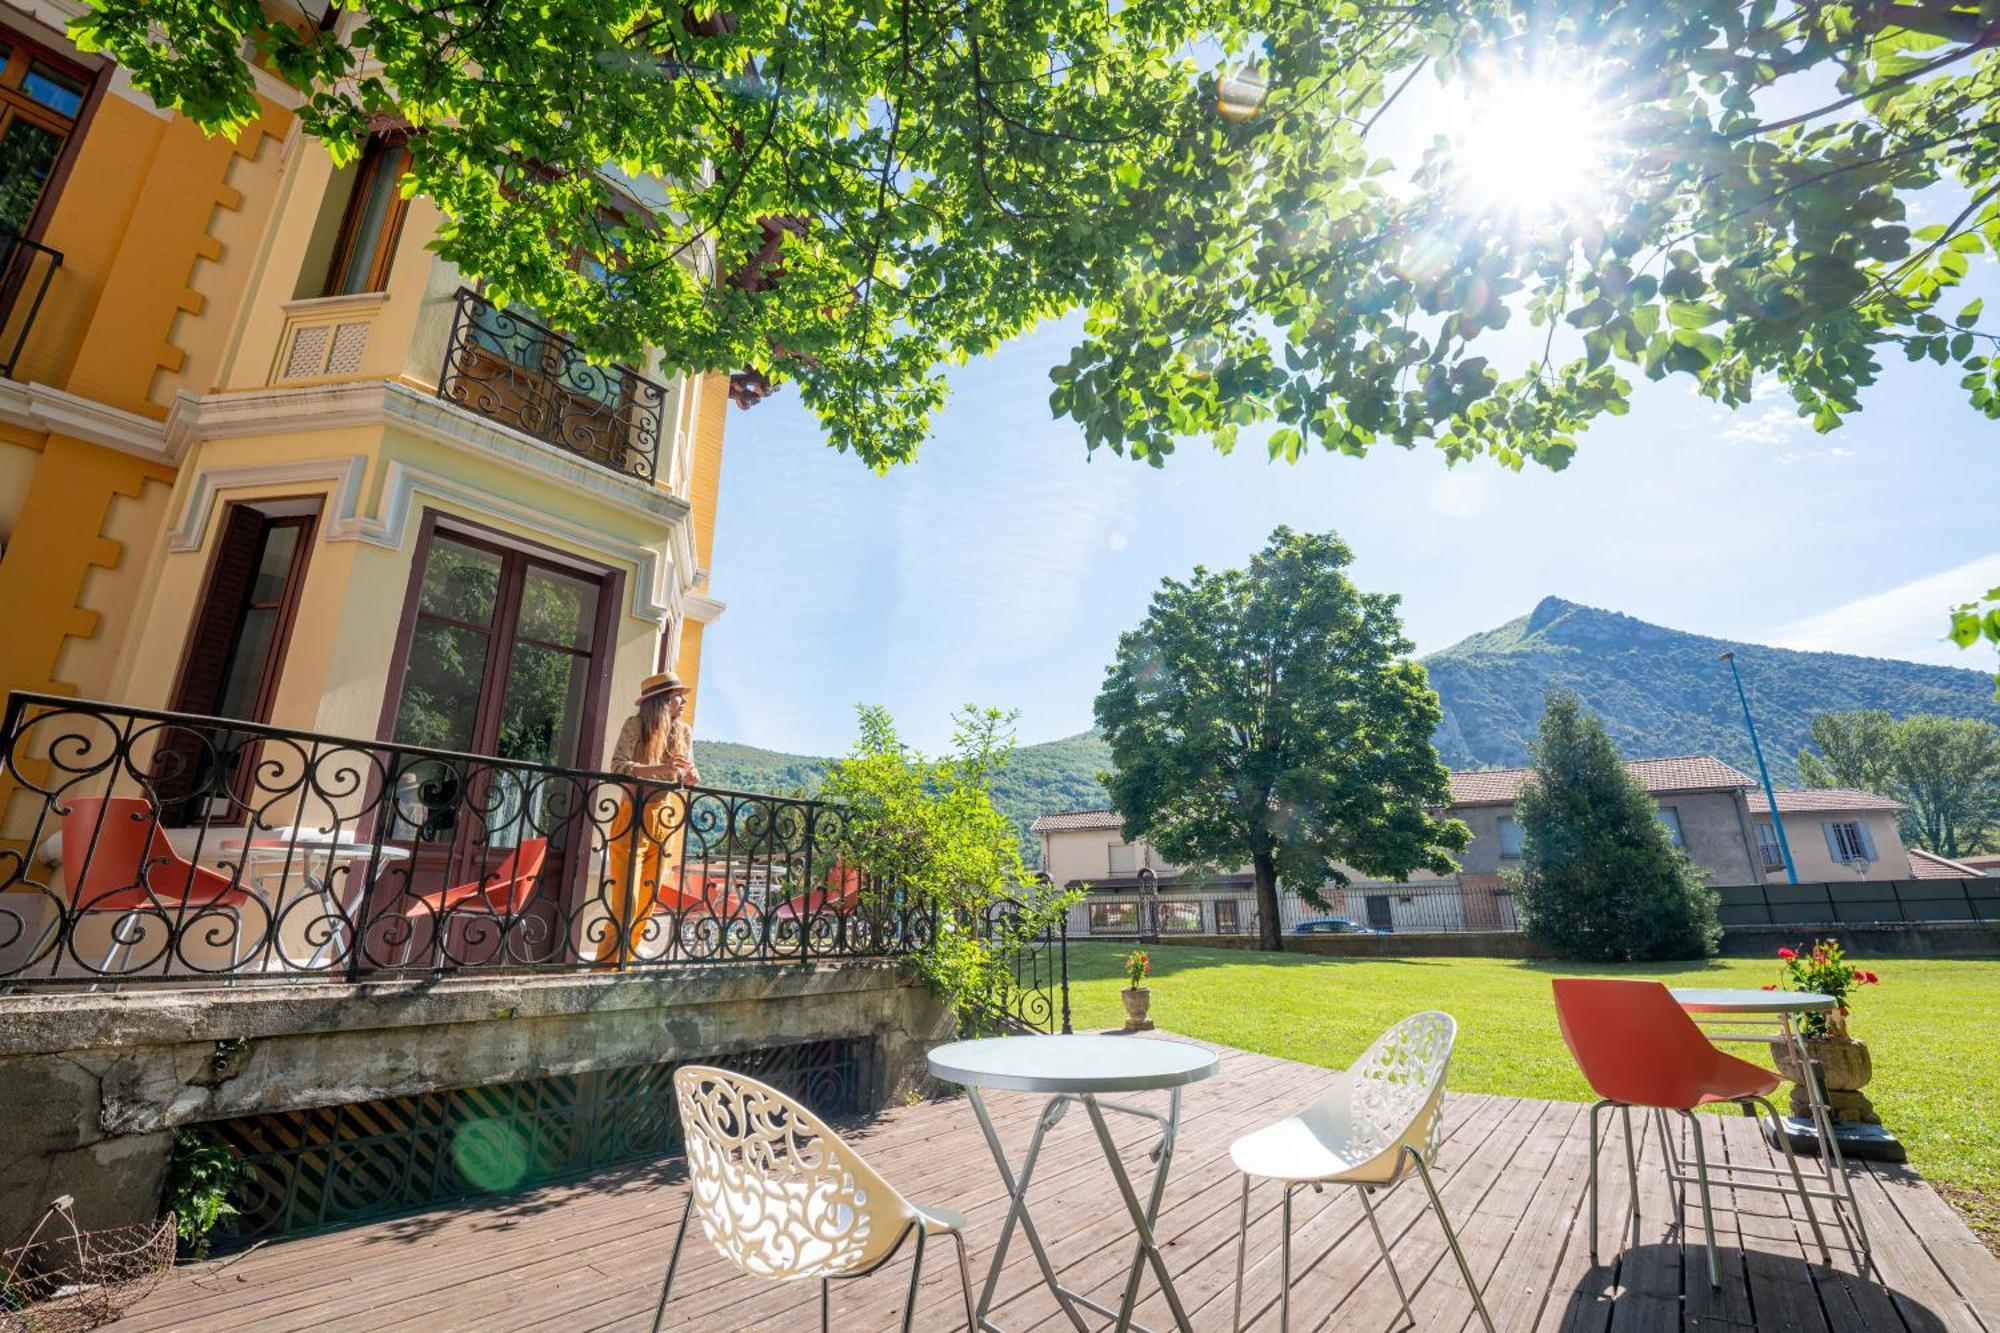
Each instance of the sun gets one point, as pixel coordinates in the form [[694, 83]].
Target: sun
[[1529, 145]]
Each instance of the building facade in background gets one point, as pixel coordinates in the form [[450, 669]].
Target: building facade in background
[[264, 456], [1718, 814]]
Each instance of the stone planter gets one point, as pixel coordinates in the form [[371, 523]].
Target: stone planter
[[1138, 1000], [1846, 1067]]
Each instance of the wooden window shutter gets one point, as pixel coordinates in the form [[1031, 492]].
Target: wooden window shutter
[[214, 638]]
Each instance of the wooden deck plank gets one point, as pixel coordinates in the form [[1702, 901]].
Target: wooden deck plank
[[587, 1256]]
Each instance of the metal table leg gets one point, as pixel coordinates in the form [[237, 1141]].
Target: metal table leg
[[1832, 1164], [1143, 1216]]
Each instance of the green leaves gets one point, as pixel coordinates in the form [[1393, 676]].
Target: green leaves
[[1268, 716], [961, 174]]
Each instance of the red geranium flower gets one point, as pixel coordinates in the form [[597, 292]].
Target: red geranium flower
[[1788, 955], [1770, 988]]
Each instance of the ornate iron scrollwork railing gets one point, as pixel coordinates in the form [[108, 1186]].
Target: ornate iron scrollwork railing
[[143, 846], [510, 369], [26, 269], [1030, 939]]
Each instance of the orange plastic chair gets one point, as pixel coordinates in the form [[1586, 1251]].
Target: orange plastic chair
[[500, 894], [116, 858], [1637, 1047]]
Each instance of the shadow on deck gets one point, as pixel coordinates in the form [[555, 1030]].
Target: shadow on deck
[[588, 1255]]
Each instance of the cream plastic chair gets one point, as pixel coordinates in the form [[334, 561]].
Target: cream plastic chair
[[782, 1197], [1377, 1123]]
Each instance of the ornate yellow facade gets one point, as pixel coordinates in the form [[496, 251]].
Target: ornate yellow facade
[[240, 326]]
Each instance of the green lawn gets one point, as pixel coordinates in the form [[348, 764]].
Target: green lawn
[[1937, 1069]]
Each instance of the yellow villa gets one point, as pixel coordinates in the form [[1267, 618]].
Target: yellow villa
[[267, 459]]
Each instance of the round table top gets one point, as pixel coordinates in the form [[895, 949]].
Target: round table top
[[308, 844], [1086, 1062], [1704, 1000]]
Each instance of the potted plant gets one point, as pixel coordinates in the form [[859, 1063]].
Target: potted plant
[[1825, 969], [1138, 996]]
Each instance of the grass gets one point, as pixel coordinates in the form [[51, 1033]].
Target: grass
[[1937, 1063]]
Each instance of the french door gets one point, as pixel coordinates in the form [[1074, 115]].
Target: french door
[[506, 654]]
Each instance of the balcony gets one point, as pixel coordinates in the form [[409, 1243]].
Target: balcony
[[26, 269], [510, 369], [145, 847]]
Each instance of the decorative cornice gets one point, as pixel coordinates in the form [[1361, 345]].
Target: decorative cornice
[[390, 403], [655, 597], [704, 610], [41, 408]]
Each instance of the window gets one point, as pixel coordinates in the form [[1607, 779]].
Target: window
[[366, 246], [1121, 859], [234, 657], [1849, 841], [237, 649], [1510, 836], [500, 660], [1671, 817], [1180, 916], [1768, 850], [40, 98], [1227, 922]]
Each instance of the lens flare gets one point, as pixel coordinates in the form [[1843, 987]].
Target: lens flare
[[1529, 145]]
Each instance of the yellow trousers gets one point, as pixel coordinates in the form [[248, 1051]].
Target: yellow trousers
[[636, 875]]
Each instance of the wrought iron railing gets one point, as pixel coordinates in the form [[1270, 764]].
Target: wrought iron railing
[[510, 369], [144, 846], [1030, 937], [26, 269]]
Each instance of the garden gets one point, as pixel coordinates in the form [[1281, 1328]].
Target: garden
[[1937, 1068]]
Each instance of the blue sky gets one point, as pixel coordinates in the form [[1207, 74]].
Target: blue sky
[[1000, 567]]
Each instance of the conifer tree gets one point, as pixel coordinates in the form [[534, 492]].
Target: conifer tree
[[1600, 878]]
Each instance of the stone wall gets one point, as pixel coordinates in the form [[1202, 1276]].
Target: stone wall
[[92, 1085]]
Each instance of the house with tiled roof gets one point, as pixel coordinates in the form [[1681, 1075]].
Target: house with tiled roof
[[1716, 812], [1929, 865]]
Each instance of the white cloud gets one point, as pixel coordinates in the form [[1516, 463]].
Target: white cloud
[[1907, 622], [1774, 425], [1458, 494]]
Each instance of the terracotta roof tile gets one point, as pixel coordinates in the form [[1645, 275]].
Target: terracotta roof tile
[[1813, 800], [1926, 865], [1689, 772], [1059, 820]]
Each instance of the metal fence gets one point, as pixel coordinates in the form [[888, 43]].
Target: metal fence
[[505, 366], [1860, 902], [1432, 907], [144, 846]]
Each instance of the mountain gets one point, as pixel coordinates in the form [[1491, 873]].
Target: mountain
[[1055, 775], [1662, 691]]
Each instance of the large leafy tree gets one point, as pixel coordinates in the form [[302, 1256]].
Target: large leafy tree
[[1945, 769], [1600, 878], [1270, 716], [853, 194]]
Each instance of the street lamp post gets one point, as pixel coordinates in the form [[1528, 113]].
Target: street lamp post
[[1763, 773]]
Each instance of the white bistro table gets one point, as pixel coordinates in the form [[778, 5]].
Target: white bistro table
[[1083, 1068], [1756, 1009], [280, 848]]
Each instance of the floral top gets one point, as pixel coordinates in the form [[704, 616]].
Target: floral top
[[679, 753]]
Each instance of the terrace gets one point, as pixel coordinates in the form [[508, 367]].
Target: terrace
[[589, 1254]]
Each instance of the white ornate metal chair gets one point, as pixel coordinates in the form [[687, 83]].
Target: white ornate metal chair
[[1376, 1125], [781, 1196]]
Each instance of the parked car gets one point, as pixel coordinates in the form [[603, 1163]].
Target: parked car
[[1334, 925]]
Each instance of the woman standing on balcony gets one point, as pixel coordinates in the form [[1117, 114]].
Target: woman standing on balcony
[[653, 744]]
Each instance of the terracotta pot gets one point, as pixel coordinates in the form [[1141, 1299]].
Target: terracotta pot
[[1137, 999], [1846, 1067]]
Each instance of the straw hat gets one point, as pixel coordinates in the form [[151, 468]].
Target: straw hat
[[666, 682]]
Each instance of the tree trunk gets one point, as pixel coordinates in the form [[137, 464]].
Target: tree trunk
[[1270, 930]]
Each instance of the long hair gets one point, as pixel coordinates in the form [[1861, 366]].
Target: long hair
[[655, 729]]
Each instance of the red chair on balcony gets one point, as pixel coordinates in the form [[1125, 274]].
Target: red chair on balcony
[[116, 858], [1637, 1047], [499, 895], [840, 894]]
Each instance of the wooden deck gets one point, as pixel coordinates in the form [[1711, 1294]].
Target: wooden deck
[[588, 1255]]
